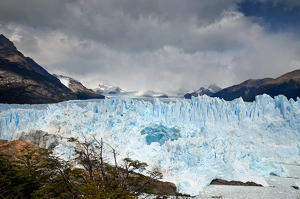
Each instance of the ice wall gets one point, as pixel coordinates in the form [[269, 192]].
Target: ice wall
[[192, 141]]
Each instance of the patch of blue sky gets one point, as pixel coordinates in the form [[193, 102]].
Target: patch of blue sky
[[279, 17]]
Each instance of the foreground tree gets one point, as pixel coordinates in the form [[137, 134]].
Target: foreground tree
[[103, 180], [21, 176], [37, 173]]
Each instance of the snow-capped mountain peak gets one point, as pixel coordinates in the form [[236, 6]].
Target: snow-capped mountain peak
[[204, 90], [214, 88]]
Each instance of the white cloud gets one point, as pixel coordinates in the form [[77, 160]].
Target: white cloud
[[143, 46]]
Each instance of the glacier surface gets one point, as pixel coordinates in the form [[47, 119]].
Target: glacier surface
[[191, 141]]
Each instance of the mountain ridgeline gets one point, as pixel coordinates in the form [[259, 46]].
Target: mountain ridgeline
[[23, 81], [209, 91], [287, 85]]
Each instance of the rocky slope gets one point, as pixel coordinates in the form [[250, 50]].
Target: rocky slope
[[22, 81], [81, 91], [13, 148], [287, 85], [243, 89]]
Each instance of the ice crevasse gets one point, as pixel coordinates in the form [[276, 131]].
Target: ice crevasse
[[191, 141]]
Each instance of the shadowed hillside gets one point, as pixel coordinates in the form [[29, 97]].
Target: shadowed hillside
[[23, 81], [287, 85]]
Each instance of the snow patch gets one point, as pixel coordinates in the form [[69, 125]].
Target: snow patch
[[65, 82]]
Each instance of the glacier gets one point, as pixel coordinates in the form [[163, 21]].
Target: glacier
[[191, 141]]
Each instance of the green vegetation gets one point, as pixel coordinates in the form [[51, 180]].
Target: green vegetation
[[37, 173]]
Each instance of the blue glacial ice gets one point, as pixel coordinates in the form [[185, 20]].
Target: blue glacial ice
[[191, 141]]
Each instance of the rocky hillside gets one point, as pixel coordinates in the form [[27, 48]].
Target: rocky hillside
[[13, 148], [287, 84], [23, 81], [243, 89], [81, 91]]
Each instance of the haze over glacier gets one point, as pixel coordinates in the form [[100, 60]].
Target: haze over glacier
[[191, 141]]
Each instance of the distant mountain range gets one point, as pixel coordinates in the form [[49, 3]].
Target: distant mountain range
[[209, 91], [151, 94], [107, 89], [22, 81], [287, 85]]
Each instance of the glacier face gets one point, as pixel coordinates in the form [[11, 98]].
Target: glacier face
[[191, 141]]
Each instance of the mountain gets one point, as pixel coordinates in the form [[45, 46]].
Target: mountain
[[81, 91], [287, 85], [244, 89], [209, 91], [108, 89], [179, 92], [152, 94], [23, 81]]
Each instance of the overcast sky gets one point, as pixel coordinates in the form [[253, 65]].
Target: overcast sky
[[160, 45]]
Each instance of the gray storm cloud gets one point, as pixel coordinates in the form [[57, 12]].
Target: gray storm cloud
[[143, 45]]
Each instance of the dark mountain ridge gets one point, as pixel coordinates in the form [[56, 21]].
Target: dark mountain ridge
[[9, 52], [23, 81], [287, 85]]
